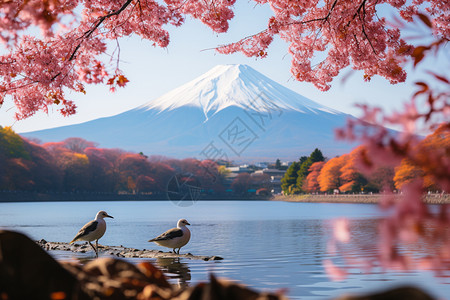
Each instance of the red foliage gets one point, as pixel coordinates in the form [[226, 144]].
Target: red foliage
[[311, 183], [241, 183]]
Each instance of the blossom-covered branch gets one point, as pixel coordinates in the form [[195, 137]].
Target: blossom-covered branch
[[38, 71], [421, 163]]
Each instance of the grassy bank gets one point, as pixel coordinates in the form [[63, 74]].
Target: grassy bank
[[365, 198]]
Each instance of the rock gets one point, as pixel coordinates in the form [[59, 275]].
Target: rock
[[399, 293], [121, 251], [215, 258], [108, 278], [28, 272], [218, 289]]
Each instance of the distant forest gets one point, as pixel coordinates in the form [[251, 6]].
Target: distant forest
[[77, 165]]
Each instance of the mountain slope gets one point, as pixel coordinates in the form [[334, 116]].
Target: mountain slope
[[231, 111]]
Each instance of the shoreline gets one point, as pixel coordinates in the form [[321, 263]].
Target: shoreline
[[23, 196], [29, 196], [362, 199], [120, 251]]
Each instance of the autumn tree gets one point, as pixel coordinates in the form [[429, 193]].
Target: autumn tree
[[303, 171], [11, 144], [352, 180], [162, 172], [24, 165], [330, 175], [103, 168], [76, 171], [130, 167], [406, 173], [77, 144], [311, 182], [145, 184], [259, 181], [212, 176], [46, 175], [12, 153], [381, 180], [423, 166], [241, 183]]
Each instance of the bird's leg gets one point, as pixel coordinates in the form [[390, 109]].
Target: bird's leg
[[96, 246], [178, 252], [93, 247], [174, 252]]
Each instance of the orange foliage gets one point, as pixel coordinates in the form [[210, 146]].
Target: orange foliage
[[311, 183], [406, 173], [329, 178], [349, 172], [429, 160]]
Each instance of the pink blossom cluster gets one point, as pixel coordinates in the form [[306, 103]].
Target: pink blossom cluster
[[39, 72], [409, 221], [349, 33], [19, 15]]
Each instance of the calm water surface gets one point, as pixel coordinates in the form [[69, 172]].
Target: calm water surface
[[266, 245]]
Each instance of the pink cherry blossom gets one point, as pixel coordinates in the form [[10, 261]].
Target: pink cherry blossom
[[68, 55]]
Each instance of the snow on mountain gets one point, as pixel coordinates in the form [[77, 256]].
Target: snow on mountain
[[233, 85], [230, 112]]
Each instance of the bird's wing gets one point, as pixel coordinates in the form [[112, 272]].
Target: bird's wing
[[86, 229], [168, 235]]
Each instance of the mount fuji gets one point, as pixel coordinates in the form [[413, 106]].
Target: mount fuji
[[230, 112]]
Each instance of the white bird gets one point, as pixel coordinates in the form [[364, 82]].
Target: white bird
[[93, 230], [174, 238]]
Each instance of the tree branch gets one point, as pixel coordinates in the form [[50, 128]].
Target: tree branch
[[324, 19], [88, 33]]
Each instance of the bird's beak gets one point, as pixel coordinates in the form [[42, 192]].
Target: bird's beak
[[187, 223], [110, 216]]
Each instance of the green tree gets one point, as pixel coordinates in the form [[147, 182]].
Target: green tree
[[303, 171], [302, 159], [278, 164], [289, 181], [317, 156]]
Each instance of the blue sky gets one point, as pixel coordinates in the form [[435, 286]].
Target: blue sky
[[154, 71]]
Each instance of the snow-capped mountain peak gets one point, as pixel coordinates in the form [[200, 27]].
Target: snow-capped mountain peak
[[231, 112], [234, 85]]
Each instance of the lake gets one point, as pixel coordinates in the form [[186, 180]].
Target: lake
[[266, 245]]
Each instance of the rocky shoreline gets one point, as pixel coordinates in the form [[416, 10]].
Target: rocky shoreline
[[360, 198], [120, 251], [29, 272]]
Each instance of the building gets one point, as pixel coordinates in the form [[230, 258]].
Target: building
[[275, 178]]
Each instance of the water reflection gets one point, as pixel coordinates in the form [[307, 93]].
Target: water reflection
[[265, 245], [84, 260], [176, 270]]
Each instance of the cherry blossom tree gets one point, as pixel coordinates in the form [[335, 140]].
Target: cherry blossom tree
[[410, 220], [39, 71]]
